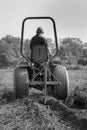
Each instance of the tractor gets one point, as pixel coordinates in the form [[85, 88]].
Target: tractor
[[50, 76]]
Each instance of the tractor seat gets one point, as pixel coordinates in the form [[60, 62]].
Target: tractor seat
[[39, 54]]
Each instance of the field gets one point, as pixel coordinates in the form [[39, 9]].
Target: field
[[77, 78], [30, 114]]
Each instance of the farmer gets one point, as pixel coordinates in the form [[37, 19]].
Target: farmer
[[38, 39]]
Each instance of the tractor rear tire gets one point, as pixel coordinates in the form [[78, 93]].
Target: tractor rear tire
[[21, 82], [61, 91]]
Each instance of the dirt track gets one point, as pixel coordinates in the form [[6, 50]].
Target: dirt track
[[31, 114]]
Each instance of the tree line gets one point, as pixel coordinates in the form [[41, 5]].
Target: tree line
[[72, 50]]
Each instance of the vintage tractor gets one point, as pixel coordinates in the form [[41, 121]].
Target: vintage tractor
[[48, 76]]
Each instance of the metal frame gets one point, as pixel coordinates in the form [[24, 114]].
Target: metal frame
[[46, 64], [22, 35]]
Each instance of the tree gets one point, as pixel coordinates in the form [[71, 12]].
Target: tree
[[27, 47], [71, 49]]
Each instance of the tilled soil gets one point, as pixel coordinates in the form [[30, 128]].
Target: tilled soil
[[29, 113]]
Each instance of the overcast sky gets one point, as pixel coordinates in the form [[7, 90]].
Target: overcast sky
[[70, 16]]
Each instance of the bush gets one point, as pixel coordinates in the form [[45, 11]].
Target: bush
[[82, 61], [76, 67], [3, 61]]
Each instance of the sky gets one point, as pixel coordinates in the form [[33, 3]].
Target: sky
[[70, 17]]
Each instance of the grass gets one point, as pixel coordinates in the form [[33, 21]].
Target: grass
[[77, 78]]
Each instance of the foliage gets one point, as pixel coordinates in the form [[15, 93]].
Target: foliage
[[10, 50], [82, 61], [71, 49], [76, 67]]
